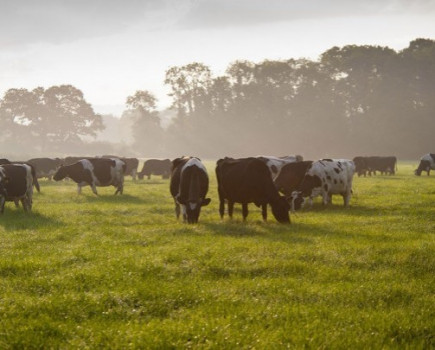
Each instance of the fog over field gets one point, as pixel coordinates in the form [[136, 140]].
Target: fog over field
[[317, 78]]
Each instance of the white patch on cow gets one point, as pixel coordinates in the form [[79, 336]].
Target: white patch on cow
[[275, 164], [183, 211], [193, 205], [428, 158], [194, 162], [87, 165]]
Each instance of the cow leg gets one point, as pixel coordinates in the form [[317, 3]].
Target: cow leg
[[133, 174], [264, 211], [245, 211], [2, 205], [149, 177], [79, 189], [221, 208], [346, 198], [17, 203], [24, 203], [94, 189], [177, 209], [230, 209]]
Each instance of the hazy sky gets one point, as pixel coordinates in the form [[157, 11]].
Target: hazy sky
[[111, 48]]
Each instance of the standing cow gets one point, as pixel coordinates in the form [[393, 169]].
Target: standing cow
[[156, 167], [94, 172], [16, 184], [248, 180], [325, 177], [189, 187], [45, 167], [130, 163], [427, 163]]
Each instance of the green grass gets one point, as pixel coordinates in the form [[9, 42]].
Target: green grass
[[120, 272]]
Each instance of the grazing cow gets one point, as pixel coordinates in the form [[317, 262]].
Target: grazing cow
[[94, 172], [427, 162], [16, 184], [189, 187], [291, 176], [131, 165], [325, 177], [248, 180], [156, 167], [385, 165], [45, 167], [276, 163]]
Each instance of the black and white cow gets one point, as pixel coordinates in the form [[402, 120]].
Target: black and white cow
[[156, 167], [276, 163], [35, 179], [94, 172], [427, 163], [248, 180], [16, 184], [45, 167], [189, 187], [130, 163], [325, 177]]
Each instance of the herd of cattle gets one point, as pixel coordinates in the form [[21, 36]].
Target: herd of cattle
[[283, 183]]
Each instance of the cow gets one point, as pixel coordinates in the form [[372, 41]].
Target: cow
[[385, 165], [189, 187], [290, 176], [94, 172], [276, 163], [35, 179], [16, 184], [248, 180], [427, 163], [72, 160], [45, 167], [325, 177], [156, 167], [131, 165]]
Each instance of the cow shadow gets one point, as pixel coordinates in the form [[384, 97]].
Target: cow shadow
[[15, 219], [111, 198]]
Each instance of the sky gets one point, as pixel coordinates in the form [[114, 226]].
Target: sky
[[109, 49]]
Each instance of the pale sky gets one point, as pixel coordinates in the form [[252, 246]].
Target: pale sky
[[111, 48]]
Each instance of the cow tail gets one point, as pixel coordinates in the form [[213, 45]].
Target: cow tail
[[35, 179]]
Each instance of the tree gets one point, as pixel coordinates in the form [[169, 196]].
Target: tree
[[147, 131]]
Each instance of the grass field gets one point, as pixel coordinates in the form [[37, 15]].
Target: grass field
[[120, 272]]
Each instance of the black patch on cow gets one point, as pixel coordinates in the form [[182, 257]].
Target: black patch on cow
[[339, 165], [337, 170], [341, 181], [335, 181], [325, 186], [321, 163], [327, 160], [274, 169], [328, 177]]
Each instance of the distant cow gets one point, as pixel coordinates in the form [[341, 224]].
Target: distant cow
[[94, 172], [131, 165], [4, 161], [427, 163], [325, 177], [291, 176], [45, 167], [156, 167], [276, 163], [72, 160], [248, 180], [16, 184], [189, 187], [385, 165]]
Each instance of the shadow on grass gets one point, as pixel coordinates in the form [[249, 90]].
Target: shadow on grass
[[111, 198], [15, 219]]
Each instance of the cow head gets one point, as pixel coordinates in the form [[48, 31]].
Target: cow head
[[280, 210], [296, 200], [60, 174], [192, 209]]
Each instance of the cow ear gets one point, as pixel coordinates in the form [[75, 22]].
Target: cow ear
[[205, 202]]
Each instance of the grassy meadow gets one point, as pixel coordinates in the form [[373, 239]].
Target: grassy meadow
[[82, 271]]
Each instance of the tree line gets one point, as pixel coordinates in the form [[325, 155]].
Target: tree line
[[353, 100]]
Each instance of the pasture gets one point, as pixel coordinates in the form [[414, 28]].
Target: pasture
[[82, 271]]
